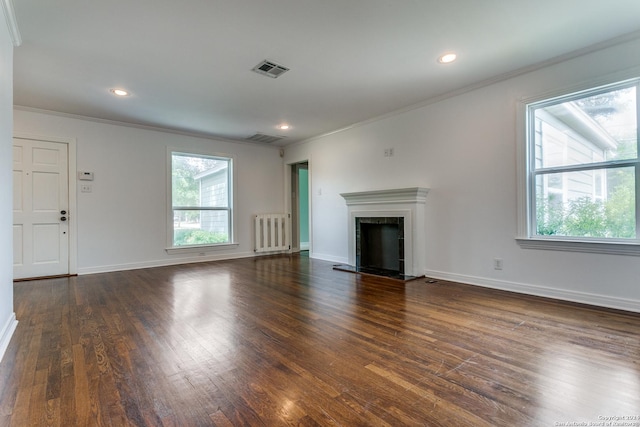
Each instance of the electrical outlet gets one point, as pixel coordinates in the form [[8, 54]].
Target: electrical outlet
[[497, 263], [86, 188]]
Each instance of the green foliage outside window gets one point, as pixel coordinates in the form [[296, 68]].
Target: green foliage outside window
[[186, 237], [585, 217]]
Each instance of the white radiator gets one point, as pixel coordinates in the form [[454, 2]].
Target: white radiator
[[272, 232]]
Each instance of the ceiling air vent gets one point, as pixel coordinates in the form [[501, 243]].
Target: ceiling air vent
[[266, 139], [270, 69]]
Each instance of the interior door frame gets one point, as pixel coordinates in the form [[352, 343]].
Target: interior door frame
[[72, 183], [291, 200]]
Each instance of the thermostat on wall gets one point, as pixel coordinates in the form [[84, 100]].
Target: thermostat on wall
[[85, 176]]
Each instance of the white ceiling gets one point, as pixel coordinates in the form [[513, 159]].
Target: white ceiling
[[188, 64]]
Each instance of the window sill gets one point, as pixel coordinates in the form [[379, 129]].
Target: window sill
[[200, 249], [595, 247]]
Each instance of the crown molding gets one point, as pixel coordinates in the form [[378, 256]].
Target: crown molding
[[635, 35], [12, 23], [175, 131]]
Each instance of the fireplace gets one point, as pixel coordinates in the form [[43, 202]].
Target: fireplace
[[387, 232], [380, 245]]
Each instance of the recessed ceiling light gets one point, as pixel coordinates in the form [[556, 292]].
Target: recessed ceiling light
[[447, 58], [119, 92], [284, 127]]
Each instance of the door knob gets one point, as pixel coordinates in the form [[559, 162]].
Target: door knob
[[63, 218], [63, 212]]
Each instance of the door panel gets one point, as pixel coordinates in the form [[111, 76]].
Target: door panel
[[17, 244], [17, 191], [46, 158], [41, 192], [43, 251], [46, 192]]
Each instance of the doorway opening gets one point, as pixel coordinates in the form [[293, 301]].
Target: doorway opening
[[300, 223]]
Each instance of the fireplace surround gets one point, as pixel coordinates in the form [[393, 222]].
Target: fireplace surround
[[387, 216]]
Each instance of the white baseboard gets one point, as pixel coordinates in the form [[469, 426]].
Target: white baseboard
[[6, 333], [162, 263], [542, 291], [330, 258]]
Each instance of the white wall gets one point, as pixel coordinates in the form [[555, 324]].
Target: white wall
[[464, 149], [121, 224], [7, 316]]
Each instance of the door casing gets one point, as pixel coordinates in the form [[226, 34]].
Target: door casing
[[291, 187]]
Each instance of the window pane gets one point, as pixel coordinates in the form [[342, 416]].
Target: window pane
[[592, 203], [199, 181], [592, 129], [200, 227]]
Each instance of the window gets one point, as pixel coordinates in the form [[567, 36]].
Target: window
[[582, 167], [201, 200]]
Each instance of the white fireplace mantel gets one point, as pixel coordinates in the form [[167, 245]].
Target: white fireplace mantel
[[400, 195], [407, 203]]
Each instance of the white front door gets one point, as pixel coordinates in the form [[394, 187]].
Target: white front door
[[40, 208]]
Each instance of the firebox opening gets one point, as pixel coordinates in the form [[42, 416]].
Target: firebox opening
[[380, 245]]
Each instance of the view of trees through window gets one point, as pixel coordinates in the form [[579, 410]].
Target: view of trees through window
[[200, 199], [586, 161]]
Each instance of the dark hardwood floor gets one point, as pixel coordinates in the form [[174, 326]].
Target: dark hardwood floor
[[286, 340]]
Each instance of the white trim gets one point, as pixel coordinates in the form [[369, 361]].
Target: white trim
[[12, 22], [541, 291], [411, 261], [522, 160], [524, 189], [163, 263], [399, 195], [614, 78], [169, 206], [329, 258], [408, 203], [73, 197], [6, 333], [157, 128], [200, 249], [430, 101], [287, 199], [481, 84], [595, 247]]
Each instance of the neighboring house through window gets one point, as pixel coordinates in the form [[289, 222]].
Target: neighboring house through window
[[201, 199], [582, 170]]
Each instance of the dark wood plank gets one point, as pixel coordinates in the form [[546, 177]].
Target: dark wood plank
[[286, 340]]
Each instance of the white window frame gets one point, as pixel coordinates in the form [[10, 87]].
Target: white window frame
[[527, 237], [200, 249]]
